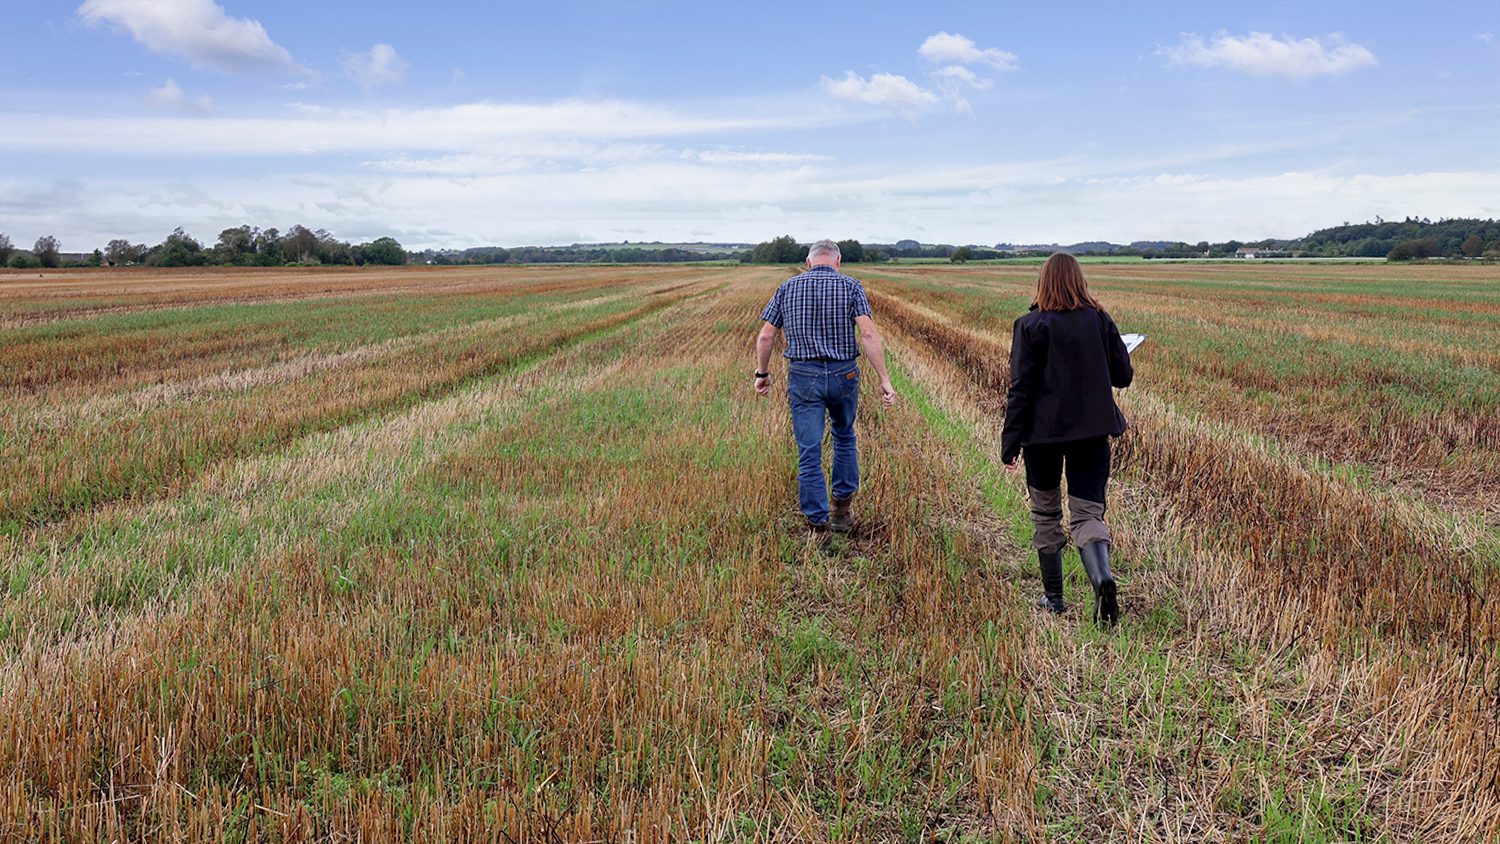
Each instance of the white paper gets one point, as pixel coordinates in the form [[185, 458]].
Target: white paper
[[1132, 341]]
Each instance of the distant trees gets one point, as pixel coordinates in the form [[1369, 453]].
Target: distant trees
[[786, 250], [235, 245], [1426, 247], [852, 250], [268, 251], [780, 250], [240, 246], [6, 248], [1467, 237], [493, 255], [383, 250], [332, 250], [48, 251], [1410, 239], [22, 260], [123, 253], [300, 246], [179, 250]]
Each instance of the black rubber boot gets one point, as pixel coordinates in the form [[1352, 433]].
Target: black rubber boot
[[1050, 563], [1096, 563]]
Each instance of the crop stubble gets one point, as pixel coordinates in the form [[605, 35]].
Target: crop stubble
[[528, 567]]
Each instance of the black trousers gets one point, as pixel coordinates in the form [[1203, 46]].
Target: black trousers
[[1086, 463]]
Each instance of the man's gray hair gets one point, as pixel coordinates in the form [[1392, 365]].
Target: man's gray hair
[[825, 248]]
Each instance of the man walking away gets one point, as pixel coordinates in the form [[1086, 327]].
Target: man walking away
[[820, 311]]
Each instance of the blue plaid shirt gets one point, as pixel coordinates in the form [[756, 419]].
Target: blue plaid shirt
[[816, 310]]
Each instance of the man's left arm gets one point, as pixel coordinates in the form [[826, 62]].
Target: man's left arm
[[875, 351], [859, 311]]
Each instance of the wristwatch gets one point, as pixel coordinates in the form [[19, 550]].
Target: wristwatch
[[762, 374]]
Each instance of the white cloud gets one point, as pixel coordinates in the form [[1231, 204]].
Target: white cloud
[[666, 196], [1261, 54], [952, 48], [197, 30], [377, 66], [961, 76], [459, 75], [886, 90], [169, 97]]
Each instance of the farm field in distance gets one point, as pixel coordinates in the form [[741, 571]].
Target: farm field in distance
[[512, 553]]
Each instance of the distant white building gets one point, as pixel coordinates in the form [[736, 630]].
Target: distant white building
[[1259, 252]]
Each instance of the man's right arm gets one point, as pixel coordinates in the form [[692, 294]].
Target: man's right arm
[[765, 342], [875, 351]]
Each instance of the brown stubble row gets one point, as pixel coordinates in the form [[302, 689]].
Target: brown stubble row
[[69, 296], [1393, 618], [1360, 554], [655, 697], [260, 632], [1238, 283], [1342, 412], [54, 472], [75, 358], [298, 491], [194, 380], [158, 629]]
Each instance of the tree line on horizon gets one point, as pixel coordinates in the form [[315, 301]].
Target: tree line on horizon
[[242, 246], [1412, 238], [249, 246]]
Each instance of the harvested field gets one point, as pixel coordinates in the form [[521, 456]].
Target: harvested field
[[512, 554]]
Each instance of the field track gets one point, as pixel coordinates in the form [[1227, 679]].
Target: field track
[[512, 554]]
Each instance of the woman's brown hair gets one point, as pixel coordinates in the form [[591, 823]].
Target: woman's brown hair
[[1061, 286]]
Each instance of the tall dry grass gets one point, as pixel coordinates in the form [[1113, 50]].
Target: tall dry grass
[[1376, 625]]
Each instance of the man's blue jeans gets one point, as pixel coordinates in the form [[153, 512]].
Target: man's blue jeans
[[819, 391]]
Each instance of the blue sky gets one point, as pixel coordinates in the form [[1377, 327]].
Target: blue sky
[[461, 124]]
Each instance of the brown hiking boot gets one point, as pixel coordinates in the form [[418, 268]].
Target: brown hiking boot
[[840, 520]]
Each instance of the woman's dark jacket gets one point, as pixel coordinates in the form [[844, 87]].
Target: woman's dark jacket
[[1062, 365]]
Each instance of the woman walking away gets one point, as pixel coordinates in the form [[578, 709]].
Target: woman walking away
[[1064, 357]]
